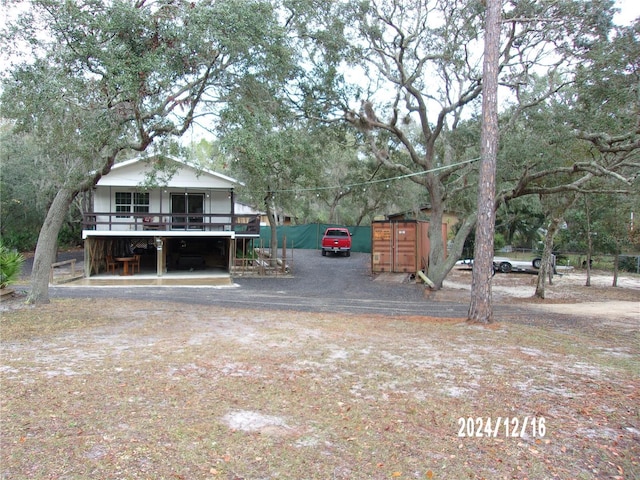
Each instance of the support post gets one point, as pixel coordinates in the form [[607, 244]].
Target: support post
[[159, 256]]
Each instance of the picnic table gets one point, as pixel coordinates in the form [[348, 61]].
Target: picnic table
[[126, 261]]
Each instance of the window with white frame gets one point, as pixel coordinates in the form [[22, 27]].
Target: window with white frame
[[127, 202]]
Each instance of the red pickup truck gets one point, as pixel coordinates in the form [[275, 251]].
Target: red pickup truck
[[336, 240]]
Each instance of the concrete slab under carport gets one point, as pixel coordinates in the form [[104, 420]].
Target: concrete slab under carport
[[155, 278], [205, 278]]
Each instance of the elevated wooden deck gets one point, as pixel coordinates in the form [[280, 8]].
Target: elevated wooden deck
[[241, 225]]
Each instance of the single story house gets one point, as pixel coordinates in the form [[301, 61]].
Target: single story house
[[163, 215]]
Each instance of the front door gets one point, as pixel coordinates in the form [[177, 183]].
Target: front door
[[189, 205]]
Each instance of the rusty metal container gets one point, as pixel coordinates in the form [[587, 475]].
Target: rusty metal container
[[401, 247]]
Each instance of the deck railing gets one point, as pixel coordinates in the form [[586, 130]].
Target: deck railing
[[208, 222]]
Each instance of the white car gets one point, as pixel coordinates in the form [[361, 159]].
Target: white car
[[506, 265]]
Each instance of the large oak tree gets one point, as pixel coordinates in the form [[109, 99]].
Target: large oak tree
[[104, 78], [418, 66]]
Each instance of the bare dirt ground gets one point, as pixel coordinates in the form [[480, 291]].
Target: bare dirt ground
[[137, 389], [134, 388], [567, 295]]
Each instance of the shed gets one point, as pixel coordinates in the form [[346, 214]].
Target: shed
[[401, 247]]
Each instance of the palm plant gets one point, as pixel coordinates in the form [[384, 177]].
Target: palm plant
[[10, 265]]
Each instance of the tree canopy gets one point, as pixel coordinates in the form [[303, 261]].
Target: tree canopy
[[412, 83]]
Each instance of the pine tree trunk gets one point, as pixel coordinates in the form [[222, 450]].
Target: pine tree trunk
[[47, 245], [480, 309]]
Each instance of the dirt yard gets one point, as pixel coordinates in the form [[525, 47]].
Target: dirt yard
[[93, 388], [567, 295]]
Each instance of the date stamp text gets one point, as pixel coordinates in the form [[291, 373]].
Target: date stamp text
[[503, 427]]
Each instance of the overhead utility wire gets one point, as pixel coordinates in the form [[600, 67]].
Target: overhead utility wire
[[381, 180]]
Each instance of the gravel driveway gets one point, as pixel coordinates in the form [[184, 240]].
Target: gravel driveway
[[317, 284]]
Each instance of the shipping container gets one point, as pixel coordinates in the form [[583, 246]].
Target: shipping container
[[401, 247]]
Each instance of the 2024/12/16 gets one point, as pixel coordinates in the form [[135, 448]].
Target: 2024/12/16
[[479, 427]]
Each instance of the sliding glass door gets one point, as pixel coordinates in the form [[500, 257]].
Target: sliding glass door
[[185, 209]]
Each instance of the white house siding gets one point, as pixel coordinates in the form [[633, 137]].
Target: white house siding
[[214, 188], [192, 244]]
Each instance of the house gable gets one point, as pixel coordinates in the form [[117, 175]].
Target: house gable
[[134, 173]]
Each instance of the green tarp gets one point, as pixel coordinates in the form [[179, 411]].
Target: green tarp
[[309, 236]]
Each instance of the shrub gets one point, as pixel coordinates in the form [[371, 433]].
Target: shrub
[[23, 240], [628, 264], [70, 235], [10, 265]]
